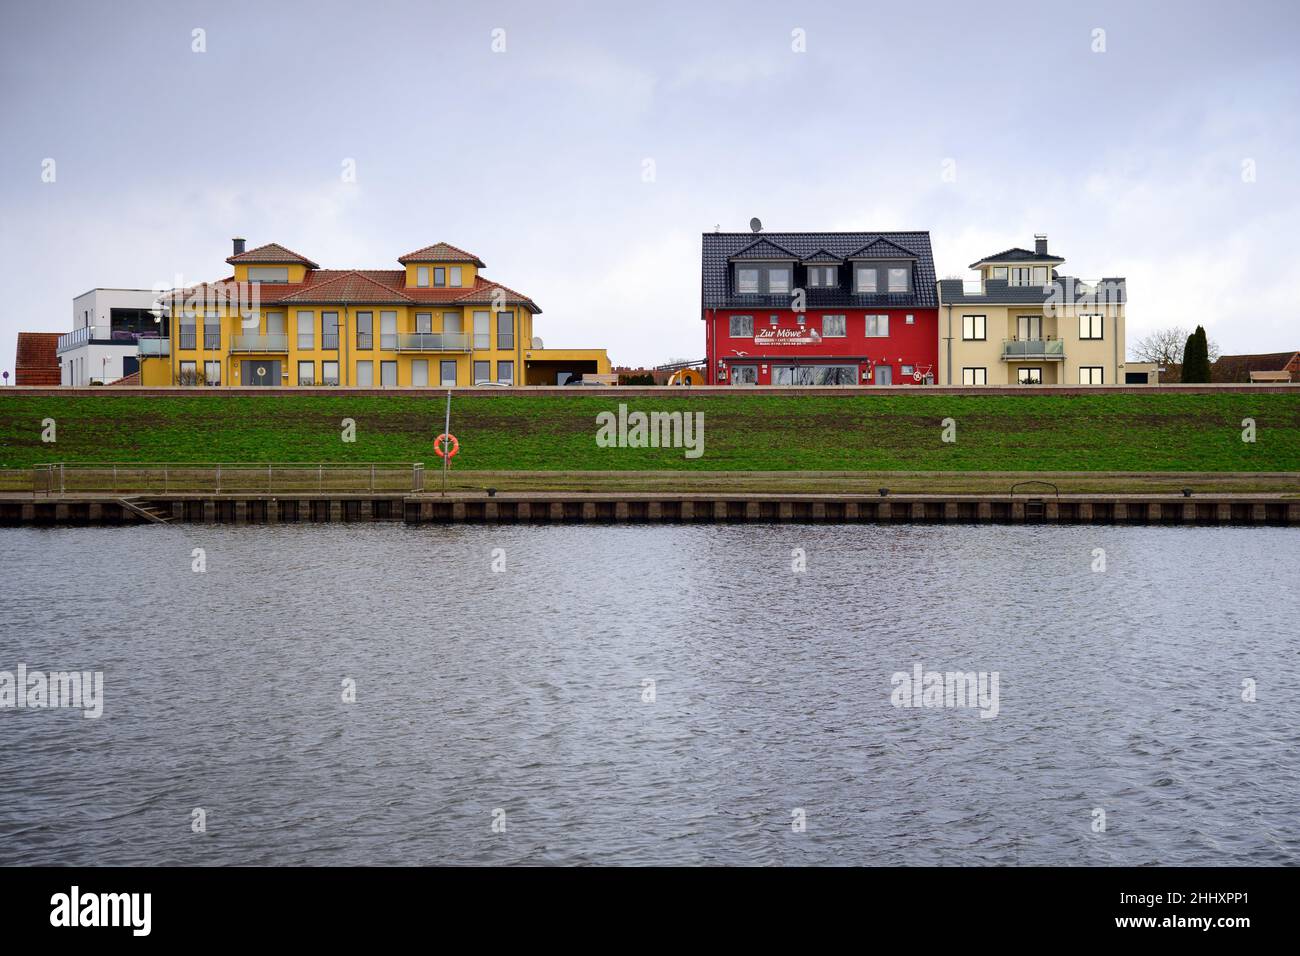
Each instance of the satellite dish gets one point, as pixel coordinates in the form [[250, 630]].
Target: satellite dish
[[755, 225]]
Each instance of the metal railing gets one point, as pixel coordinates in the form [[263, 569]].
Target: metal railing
[[1033, 349], [253, 342], [228, 478], [433, 342]]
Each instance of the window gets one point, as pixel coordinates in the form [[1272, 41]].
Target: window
[[999, 272], [422, 276], [742, 327], [366, 374], [506, 373], [212, 373], [211, 331], [420, 372], [505, 330], [365, 330], [833, 326], [1090, 375], [306, 373], [305, 330], [906, 371], [447, 374], [746, 280], [814, 375], [1040, 275], [482, 372], [1027, 275], [974, 376], [482, 333], [188, 333], [189, 373], [329, 373], [778, 279], [1030, 376], [388, 330], [822, 277], [877, 326], [773, 320], [329, 331], [275, 324], [1020, 276], [451, 322], [866, 279], [911, 319], [1029, 328], [388, 374], [974, 328], [898, 280], [439, 276], [268, 274], [1090, 326], [744, 375], [424, 322], [454, 277]]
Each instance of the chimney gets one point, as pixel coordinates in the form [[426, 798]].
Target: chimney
[[1040, 244], [239, 246]]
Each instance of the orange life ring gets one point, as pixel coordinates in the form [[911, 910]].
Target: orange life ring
[[448, 453]]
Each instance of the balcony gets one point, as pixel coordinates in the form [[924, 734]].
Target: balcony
[[100, 335], [150, 348], [434, 342], [1050, 350], [271, 342]]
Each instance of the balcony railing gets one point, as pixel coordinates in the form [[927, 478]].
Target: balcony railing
[[98, 333], [433, 342], [270, 342], [152, 347], [1046, 349]]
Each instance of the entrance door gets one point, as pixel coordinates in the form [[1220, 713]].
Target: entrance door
[[884, 375], [744, 375], [259, 372]]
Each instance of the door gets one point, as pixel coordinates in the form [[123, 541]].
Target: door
[[884, 375], [744, 375], [447, 375], [259, 372]]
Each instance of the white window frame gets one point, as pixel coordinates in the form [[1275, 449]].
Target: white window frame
[[508, 376], [366, 373], [420, 372], [443, 379], [789, 280], [311, 371], [388, 330], [422, 276], [454, 277], [899, 273], [839, 321], [743, 284], [876, 326], [859, 272], [325, 372], [742, 334], [482, 330]]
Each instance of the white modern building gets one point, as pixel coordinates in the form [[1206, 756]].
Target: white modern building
[[110, 329]]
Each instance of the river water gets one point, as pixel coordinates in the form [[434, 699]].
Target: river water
[[507, 716]]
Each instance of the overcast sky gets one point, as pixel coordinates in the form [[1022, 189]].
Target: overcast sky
[[583, 162]]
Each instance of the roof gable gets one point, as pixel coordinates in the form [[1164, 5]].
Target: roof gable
[[352, 286], [441, 252], [764, 249], [1016, 254], [820, 256], [272, 252], [881, 249]]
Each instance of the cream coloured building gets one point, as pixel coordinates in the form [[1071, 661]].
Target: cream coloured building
[[1022, 322]]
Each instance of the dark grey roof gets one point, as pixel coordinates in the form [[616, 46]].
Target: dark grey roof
[[998, 292], [882, 249], [720, 247], [821, 255], [1017, 255], [763, 249]]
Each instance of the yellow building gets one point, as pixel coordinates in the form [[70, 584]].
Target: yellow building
[[282, 320], [1024, 323]]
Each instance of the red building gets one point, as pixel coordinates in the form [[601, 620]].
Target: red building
[[820, 308]]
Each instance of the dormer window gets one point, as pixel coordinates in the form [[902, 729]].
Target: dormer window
[[999, 272], [898, 280], [455, 277], [865, 277], [822, 277], [422, 276], [770, 279], [1028, 275], [268, 274], [439, 277]]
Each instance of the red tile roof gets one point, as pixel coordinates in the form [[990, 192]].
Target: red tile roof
[[272, 252], [37, 360], [132, 379], [441, 252], [361, 287], [1237, 368]]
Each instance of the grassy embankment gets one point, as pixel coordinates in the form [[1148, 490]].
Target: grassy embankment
[[864, 434]]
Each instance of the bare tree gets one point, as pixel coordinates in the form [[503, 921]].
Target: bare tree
[[1165, 347]]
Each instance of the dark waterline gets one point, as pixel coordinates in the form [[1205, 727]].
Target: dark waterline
[[522, 690]]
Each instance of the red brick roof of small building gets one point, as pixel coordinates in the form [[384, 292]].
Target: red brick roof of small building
[[1237, 368], [36, 361], [272, 252], [441, 252], [132, 379]]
